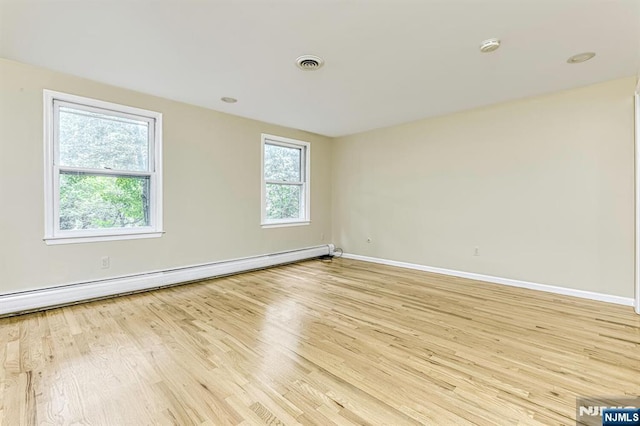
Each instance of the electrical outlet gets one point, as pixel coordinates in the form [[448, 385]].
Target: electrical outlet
[[105, 262], [476, 252]]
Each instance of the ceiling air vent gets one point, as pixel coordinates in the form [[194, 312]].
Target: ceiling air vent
[[309, 62]]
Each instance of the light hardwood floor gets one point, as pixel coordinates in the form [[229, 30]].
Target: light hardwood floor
[[318, 343]]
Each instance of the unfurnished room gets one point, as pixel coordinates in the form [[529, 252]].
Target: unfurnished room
[[346, 212]]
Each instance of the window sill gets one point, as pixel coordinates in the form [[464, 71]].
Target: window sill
[[285, 224], [98, 238]]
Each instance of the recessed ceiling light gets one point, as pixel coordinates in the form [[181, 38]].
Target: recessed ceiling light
[[228, 100], [309, 62], [489, 45], [580, 57]]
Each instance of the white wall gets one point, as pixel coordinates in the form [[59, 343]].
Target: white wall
[[211, 192], [543, 186]]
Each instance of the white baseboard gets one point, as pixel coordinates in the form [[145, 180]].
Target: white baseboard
[[627, 301], [14, 303]]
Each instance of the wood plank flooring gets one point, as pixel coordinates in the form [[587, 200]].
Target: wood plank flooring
[[318, 343]]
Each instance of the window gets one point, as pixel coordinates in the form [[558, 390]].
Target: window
[[103, 179], [285, 181]]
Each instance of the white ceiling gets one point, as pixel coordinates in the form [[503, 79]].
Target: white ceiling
[[387, 61]]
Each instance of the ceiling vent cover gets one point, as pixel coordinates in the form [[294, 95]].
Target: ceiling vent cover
[[309, 62]]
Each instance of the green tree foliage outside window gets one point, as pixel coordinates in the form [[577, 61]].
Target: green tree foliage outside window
[[283, 174], [88, 199], [283, 201], [94, 202]]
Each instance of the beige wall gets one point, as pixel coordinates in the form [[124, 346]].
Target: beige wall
[[543, 186], [211, 192]]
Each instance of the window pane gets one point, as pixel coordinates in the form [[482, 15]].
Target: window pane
[[282, 163], [98, 202], [283, 201], [99, 141]]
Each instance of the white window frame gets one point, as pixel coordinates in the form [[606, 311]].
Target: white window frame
[[53, 234], [305, 184]]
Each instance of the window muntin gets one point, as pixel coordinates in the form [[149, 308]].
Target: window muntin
[[285, 181], [103, 177]]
